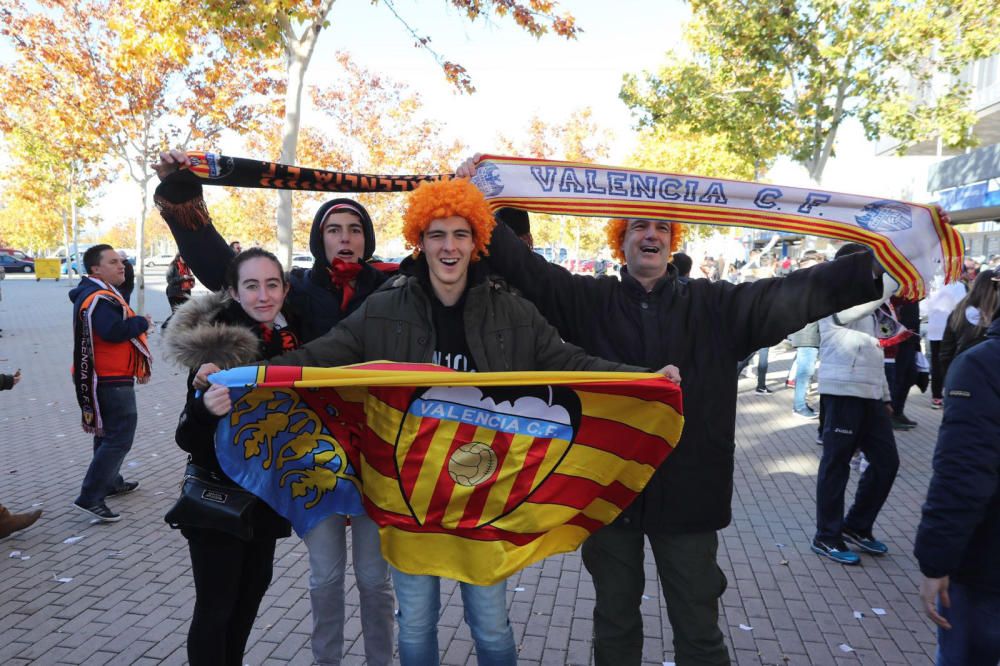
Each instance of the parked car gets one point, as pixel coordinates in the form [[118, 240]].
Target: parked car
[[302, 261], [158, 260], [17, 254], [14, 265]]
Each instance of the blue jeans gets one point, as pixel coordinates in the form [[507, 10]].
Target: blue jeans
[[974, 637], [117, 405], [327, 546], [805, 365], [419, 600]]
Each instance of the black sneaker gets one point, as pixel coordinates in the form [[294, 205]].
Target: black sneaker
[[903, 418], [866, 542], [900, 424], [125, 489], [836, 551], [100, 511], [763, 390]]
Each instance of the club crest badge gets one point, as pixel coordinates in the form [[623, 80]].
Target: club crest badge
[[487, 179], [882, 216], [211, 165], [466, 456]]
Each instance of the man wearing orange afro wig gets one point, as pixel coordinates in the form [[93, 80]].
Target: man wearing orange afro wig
[[650, 318], [447, 311]]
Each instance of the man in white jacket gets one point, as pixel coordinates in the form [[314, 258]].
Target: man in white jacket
[[856, 415]]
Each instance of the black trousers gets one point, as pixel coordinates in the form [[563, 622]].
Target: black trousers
[[850, 424], [906, 373], [692, 585], [230, 578]]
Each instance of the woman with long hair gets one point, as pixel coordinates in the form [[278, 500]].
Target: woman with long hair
[[243, 324], [969, 320]]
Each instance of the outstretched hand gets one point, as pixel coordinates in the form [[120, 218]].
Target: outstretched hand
[[171, 161], [467, 169], [671, 372]]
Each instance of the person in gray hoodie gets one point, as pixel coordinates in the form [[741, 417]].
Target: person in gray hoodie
[[855, 401]]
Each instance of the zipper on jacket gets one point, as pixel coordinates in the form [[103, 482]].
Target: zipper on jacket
[[503, 351]]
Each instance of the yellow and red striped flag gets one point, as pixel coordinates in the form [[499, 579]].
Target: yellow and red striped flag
[[471, 476]]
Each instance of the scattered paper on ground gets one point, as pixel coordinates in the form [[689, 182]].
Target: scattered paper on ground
[[844, 647], [73, 539], [878, 611]]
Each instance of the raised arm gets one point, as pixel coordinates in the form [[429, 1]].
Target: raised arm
[[564, 299], [183, 208], [762, 313]]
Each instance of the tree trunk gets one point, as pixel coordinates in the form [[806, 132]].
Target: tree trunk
[[76, 241], [66, 240], [140, 239], [298, 53], [297, 65]]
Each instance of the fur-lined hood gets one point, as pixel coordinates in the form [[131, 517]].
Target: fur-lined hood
[[198, 333]]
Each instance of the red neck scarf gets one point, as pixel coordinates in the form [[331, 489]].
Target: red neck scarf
[[341, 274]]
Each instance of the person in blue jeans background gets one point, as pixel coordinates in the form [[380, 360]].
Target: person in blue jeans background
[[806, 343], [958, 540], [110, 354]]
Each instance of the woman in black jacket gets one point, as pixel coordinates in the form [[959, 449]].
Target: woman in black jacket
[[240, 326]]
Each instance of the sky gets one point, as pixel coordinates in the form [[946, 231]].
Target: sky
[[518, 76]]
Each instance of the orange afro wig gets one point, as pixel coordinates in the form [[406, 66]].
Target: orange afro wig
[[616, 236], [445, 198]]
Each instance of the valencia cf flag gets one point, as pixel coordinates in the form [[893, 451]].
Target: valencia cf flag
[[470, 476]]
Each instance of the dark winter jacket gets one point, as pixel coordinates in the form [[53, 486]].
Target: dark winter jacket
[[112, 330], [504, 332], [179, 282], [959, 533], [312, 295], [967, 333], [6, 382], [702, 327], [213, 328]]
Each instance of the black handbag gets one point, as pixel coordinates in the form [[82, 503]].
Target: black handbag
[[208, 502]]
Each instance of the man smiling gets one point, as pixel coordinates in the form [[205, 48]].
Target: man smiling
[[650, 318], [451, 313]]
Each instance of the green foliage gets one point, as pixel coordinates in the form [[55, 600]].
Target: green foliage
[[779, 77], [680, 151]]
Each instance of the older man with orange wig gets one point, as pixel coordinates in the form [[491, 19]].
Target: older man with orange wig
[[650, 318]]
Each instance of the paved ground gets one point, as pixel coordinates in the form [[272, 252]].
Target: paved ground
[[122, 593]]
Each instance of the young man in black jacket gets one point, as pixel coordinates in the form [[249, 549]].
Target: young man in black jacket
[[649, 318], [958, 541]]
